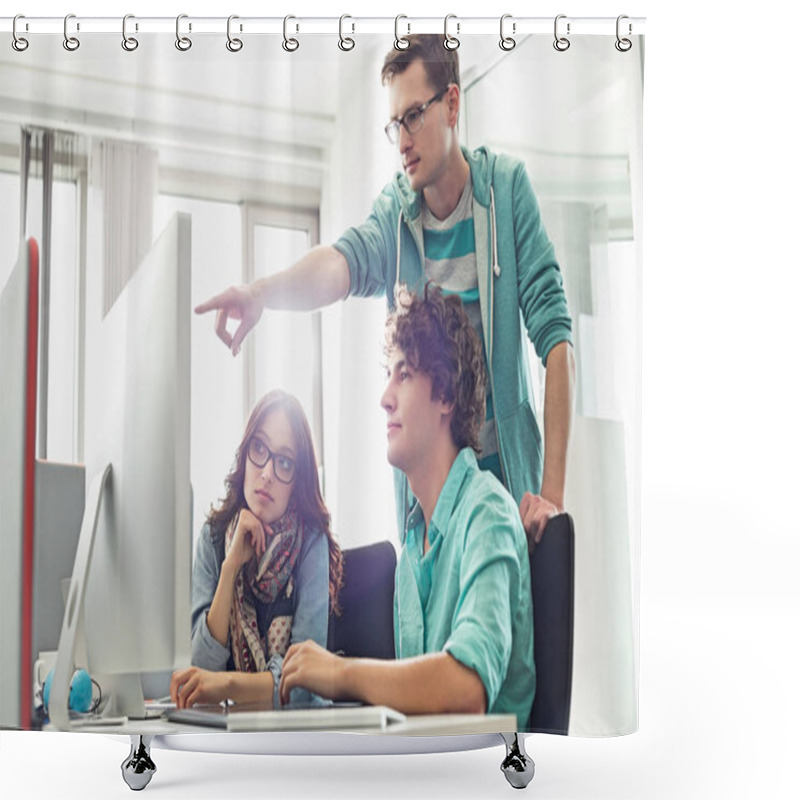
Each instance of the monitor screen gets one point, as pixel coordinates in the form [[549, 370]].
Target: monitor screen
[[136, 586]]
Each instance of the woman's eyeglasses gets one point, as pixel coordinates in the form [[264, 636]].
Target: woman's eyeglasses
[[260, 455]]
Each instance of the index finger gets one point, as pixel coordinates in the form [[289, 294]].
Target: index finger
[[175, 682], [217, 301]]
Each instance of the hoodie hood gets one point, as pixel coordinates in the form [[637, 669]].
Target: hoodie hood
[[481, 166]]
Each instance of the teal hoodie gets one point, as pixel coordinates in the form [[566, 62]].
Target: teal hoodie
[[519, 283]]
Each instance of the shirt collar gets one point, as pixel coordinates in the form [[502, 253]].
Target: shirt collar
[[463, 466]]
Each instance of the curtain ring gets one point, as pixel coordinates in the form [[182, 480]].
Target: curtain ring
[[290, 44], [400, 42], [507, 42], [623, 45], [19, 43], [71, 43], [183, 43], [129, 43], [345, 42], [233, 44], [451, 42], [561, 43]]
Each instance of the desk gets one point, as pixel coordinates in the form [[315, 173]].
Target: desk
[[436, 733], [414, 725], [423, 733]]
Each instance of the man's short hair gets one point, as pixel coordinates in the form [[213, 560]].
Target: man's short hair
[[436, 337], [441, 64]]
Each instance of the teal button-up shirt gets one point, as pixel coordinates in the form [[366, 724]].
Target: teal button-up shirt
[[470, 594]]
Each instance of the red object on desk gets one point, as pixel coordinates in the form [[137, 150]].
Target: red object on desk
[[32, 360]]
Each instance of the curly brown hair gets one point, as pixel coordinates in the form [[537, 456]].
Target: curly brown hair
[[441, 64], [436, 337], [307, 493]]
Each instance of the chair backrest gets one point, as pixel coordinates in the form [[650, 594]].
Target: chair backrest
[[553, 589], [365, 628]]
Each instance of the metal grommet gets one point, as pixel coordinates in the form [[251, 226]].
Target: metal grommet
[[233, 44], [506, 42], [19, 43], [400, 42], [129, 43], [290, 44], [561, 43], [451, 42], [345, 42], [183, 43], [71, 43], [623, 45]]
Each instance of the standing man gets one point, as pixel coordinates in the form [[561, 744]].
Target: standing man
[[462, 606], [469, 222]]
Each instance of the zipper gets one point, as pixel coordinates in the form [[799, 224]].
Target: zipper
[[494, 271]]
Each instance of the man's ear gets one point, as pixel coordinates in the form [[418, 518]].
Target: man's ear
[[446, 406], [453, 99]]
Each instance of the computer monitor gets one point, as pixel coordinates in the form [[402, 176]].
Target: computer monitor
[[19, 305], [128, 608]]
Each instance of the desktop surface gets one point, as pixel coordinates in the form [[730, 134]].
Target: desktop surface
[[325, 721]]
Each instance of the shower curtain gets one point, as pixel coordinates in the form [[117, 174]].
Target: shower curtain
[[273, 143]]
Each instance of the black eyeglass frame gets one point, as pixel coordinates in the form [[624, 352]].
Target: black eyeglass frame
[[392, 129], [271, 456]]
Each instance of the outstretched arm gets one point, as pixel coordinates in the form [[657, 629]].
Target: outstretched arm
[[319, 278], [434, 683]]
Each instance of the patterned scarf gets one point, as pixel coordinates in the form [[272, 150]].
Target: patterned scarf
[[265, 580]]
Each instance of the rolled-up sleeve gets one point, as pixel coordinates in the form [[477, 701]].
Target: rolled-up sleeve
[[207, 652], [311, 610], [366, 249], [482, 626], [543, 302]]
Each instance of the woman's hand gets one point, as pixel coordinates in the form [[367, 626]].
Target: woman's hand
[[194, 685], [312, 667], [249, 539]]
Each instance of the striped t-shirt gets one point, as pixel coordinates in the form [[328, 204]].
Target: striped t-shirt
[[450, 263]]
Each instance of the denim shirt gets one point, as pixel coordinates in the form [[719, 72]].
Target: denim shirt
[[310, 620], [470, 594]]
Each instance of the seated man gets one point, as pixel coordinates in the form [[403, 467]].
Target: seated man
[[462, 615]]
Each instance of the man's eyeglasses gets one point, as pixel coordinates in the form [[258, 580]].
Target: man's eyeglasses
[[413, 119], [260, 455]]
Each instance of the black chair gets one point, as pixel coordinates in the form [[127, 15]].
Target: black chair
[[365, 628], [553, 588]]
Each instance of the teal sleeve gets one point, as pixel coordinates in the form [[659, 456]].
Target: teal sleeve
[[370, 250], [541, 288], [482, 626]]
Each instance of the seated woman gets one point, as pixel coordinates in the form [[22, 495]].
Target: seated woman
[[267, 571]]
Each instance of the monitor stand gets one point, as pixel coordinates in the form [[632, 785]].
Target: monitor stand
[[123, 693]]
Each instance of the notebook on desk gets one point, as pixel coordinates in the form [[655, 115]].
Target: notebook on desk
[[258, 717]]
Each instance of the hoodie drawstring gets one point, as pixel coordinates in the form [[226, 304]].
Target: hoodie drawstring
[[493, 217], [495, 262], [399, 231]]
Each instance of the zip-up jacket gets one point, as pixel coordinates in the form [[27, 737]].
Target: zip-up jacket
[[519, 284]]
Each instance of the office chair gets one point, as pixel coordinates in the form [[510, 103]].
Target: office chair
[[553, 588], [365, 628]]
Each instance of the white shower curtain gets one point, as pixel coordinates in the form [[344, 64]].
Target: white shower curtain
[[263, 141]]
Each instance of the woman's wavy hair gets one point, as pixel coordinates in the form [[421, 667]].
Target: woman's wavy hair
[[434, 333], [306, 491]]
